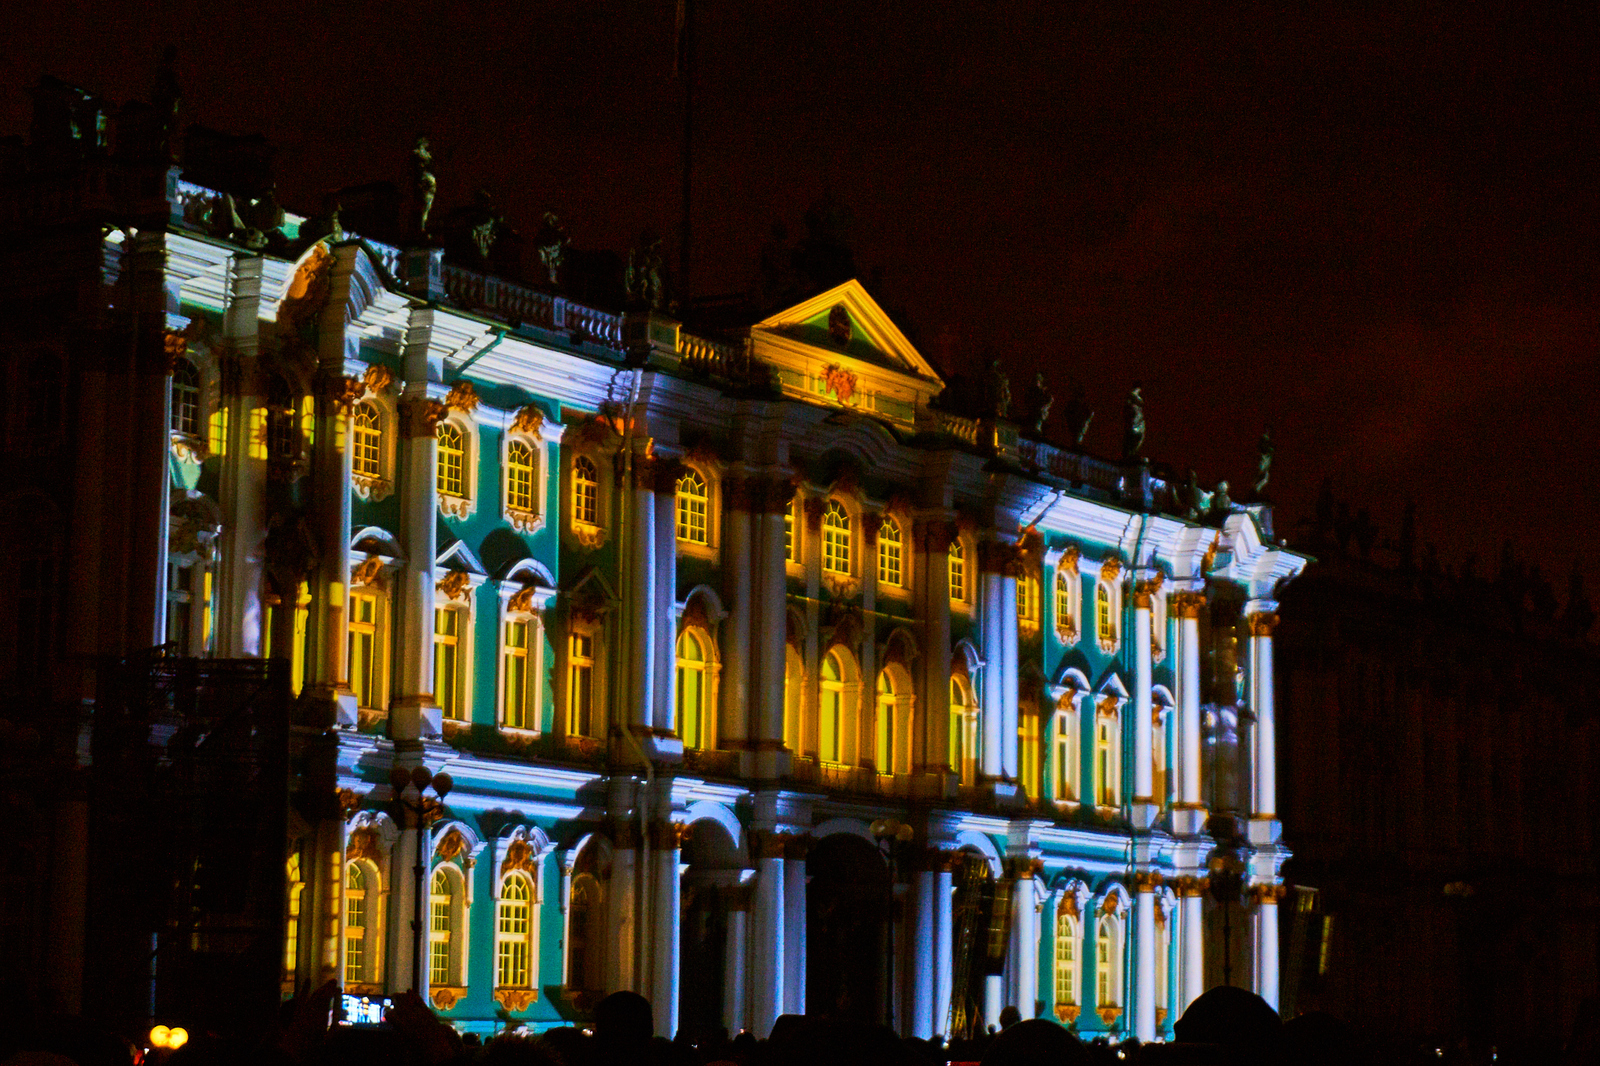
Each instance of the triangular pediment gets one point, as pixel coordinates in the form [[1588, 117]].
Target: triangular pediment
[[839, 347]]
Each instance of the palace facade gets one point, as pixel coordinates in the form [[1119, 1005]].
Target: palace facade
[[765, 681]]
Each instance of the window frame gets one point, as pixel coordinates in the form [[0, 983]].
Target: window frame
[[506, 942], [571, 662], [378, 631], [706, 726], [1108, 615], [1108, 762], [1109, 945], [1072, 970], [958, 574], [460, 687], [1066, 750], [837, 538], [530, 518], [894, 571], [684, 515], [462, 504], [186, 395]]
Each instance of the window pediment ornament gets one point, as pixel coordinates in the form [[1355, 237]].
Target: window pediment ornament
[[520, 855], [455, 585], [421, 418], [453, 847], [1145, 591], [362, 844], [368, 572], [1188, 604], [462, 397], [1110, 570], [839, 381], [529, 419], [522, 601], [377, 379]]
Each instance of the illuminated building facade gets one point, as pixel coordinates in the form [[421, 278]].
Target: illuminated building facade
[[693, 621]]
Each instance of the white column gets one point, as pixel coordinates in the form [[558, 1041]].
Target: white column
[[767, 972], [1025, 924], [1191, 943], [734, 977], [733, 727], [1144, 966], [1143, 776], [663, 640], [943, 946], [1261, 702], [1189, 698], [920, 951], [621, 903], [244, 472], [992, 626], [794, 937], [667, 932], [933, 579], [994, 999], [1264, 942], [413, 712], [639, 633], [1008, 674], [768, 651]]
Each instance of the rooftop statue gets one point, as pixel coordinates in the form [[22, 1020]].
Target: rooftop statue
[[1040, 401], [1221, 504], [999, 390], [642, 279], [1078, 414], [1264, 452], [426, 184], [1191, 497], [1133, 424], [551, 244]]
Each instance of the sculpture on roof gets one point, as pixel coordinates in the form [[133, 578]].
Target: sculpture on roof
[[1221, 504], [642, 279], [485, 223], [1079, 414], [1040, 401], [426, 184], [1133, 424], [552, 244], [1264, 452]]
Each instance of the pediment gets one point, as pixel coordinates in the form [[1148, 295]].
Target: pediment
[[847, 321]]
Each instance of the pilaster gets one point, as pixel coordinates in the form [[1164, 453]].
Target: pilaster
[[242, 493]]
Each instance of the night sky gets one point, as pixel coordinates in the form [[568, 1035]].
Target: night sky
[[1376, 230]]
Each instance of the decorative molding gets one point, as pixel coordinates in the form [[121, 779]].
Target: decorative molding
[[1110, 570], [841, 382], [1261, 624], [516, 999], [1067, 1013], [369, 572], [1069, 560], [420, 417], [455, 585], [1187, 604], [445, 997], [377, 379], [462, 397], [1268, 893], [453, 847], [520, 855], [529, 419], [1109, 1013], [1146, 880], [1144, 592], [363, 844], [1210, 556]]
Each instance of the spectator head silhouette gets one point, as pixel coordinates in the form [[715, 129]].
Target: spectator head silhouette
[[1035, 1042], [1239, 1021]]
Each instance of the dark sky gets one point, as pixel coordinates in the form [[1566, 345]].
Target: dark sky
[[1375, 229]]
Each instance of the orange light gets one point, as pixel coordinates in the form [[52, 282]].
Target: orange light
[[160, 1035], [178, 1037]]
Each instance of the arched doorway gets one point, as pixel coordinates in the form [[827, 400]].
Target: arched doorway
[[847, 907], [709, 887]]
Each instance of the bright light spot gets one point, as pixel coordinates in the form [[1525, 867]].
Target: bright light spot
[[159, 1036], [177, 1038]]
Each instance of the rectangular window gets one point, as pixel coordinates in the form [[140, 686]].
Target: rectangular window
[[889, 557], [788, 533], [363, 661], [515, 714], [1028, 750], [439, 942], [447, 661], [958, 572], [580, 685]]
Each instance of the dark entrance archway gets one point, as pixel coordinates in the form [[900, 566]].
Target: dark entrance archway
[[847, 911], [708, 886]]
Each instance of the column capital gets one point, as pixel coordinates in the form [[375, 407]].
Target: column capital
[[669, 836], [420, 417], [777, 845], [1146, 880], [1145, 589], [1187, 604], [344, 390], [1261, 623], [1187, 886], [1271, 893]]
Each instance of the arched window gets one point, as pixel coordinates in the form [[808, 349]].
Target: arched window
[[1029, 751], [365, 661], [1108, 962], [185, 398], [963, 757], [513, 939], [586, 921], [831, 718], [1158, 754], [585, 492], [366, 456], [1069, 598], [693, 505], [890, 554], [693, 726], [519, 477], [580, 685], [1108, 757], [363, 938], [443, 951], [958, 573], [884, 750], [1105, 613], [835, 539], [452, 460], [1065, 750], [449, 662], [793, 691], [1066, 956], [291, 931]]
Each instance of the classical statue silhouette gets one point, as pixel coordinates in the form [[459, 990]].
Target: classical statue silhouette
[[1133, 424]]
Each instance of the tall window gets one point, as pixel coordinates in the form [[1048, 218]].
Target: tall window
[[1163, 960], [291, 932], [884, 752], [447, 673], [1029, 751], [830, 711], [793, 690], [890, 549], [514, 712], [1069, 597], [1066, 956], [585, 492], [440, 931], [693, 500], [185, 399], [365, 441], [1107, 760], [1158, 755], [958, 572], [835, 539], [1028, 601], [1105, 616], [1108, 962], [963, 757], [452, 460], [363, 658], [356, 880], [283, 436], [790, 553], [580, 685], [1064, 763], [514, 933], [692, 724], [519, 477]]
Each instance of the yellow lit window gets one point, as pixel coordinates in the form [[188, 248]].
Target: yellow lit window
[[830, 717], [514, 934], [883, 753], [692, 506], [958, 572], [291, 933], [585, 492], [890, 547], [440, 900], [519, 477], [365, 441], [788, 532], [692, 724], [1108, 963], [1065, 747], [835, 539], [1105, 616], [961, 754], [452, 461], [1028, 601], [1066, 956], [447, 673], [580, 685], [355, 924], [185, 399], [363, 665], [1107, 761], [1067, 596], [515, 711], [1029, 754]]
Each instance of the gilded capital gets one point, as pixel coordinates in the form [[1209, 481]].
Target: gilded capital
[[1187, 604], [1262, 624], [1146, 880], [1268, 893], [420, 417]]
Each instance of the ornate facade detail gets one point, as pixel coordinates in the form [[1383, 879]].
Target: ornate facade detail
[[1144, 592], [1069, 561], [454, 585], [516, 999], [363, 844], [368, 572], [462, 397], [1210, 557], [377, 379], [1146, 880], [839, 381], [1187, 604], [529, 419], [1267, 893], [444, 997], [522, 600], [1110, 570], [342, 390], [421, 418], [1067, 1013], [1261, 624], [520, 855], [452, 847]]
